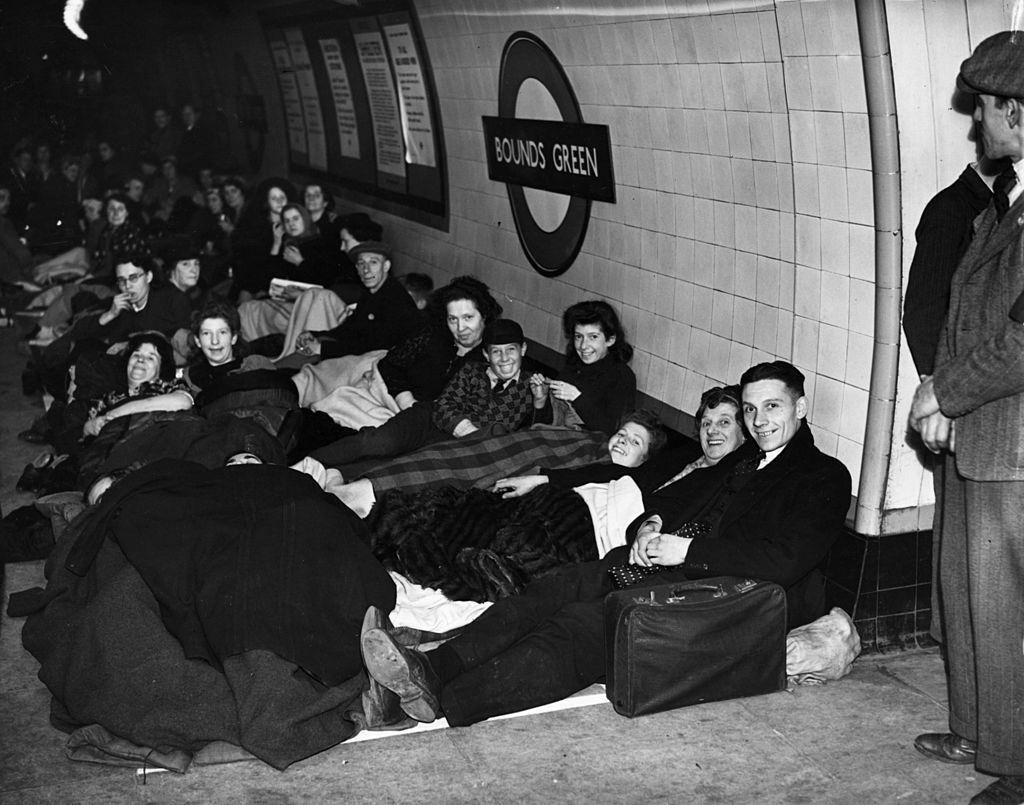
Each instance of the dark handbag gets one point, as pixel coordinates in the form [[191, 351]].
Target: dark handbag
[[672, 645]]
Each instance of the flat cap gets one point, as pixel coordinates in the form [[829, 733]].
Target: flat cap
[[372, 246], [503, 331], [996, 67]]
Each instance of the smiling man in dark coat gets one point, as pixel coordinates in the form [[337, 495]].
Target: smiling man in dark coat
[[771, 511]]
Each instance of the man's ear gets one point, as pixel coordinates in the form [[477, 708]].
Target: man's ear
[[801, 407], [524, 348], [234, 339], [195, 339]]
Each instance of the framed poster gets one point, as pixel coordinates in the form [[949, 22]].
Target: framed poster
[[360, 107]]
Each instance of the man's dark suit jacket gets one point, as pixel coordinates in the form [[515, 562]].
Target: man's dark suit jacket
[[778, 527], [380, 321], [943, 235]]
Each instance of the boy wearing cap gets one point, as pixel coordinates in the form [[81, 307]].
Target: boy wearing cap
[[383, 315], [977, 392], [494, 394]]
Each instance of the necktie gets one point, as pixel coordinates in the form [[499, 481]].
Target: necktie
[[1001, 191]]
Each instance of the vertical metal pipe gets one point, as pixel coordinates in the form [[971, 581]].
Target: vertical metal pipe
[[873, 31]]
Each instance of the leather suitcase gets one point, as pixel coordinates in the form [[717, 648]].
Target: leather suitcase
[[673, 645]]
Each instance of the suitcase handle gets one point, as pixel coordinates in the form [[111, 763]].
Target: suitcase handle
[[700, 590]]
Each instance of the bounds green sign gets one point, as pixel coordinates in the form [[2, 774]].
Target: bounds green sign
[[570, 158]]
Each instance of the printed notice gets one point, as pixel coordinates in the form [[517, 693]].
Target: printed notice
[[412, 94], [341, 92], [291, 99], [387, 131], [311, 112]]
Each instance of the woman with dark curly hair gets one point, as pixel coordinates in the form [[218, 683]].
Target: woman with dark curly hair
[[596, 387]]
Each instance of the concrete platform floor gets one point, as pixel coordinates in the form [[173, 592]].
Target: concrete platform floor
[[845, 742]]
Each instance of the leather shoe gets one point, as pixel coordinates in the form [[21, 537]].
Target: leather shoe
[[381, 707], [946, 746], [403, 671], [1004, 791]]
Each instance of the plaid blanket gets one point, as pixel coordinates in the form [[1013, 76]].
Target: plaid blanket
[[481, 459]]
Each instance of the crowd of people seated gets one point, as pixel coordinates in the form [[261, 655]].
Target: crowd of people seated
[[193, 332]]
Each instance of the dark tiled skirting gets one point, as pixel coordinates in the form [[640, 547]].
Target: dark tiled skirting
[[885, 583]]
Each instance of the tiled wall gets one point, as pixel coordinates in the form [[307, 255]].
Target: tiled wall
[[743, 226]]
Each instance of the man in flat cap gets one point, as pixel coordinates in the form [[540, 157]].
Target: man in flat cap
[[972, 408], [382, 316]]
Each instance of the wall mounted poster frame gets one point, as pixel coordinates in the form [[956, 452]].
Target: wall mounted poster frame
[[359, 103]]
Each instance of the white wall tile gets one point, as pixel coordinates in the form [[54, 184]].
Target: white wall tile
[[858, 360], [808, 292], [862, 252], [851, 83], [827, 405], [718, 132], [739, 134], [860, 187], [746, 229], [826, 93], [791, 29], [766, 185], [804, 134], [725, 223], [835, 299], [862, 307], [702, 307], [768, 233], [682, 37], [858, 141], [805, 341], [765, 328], [835, 246], [734, 87], [798, 83], [806, 189], [854, 414], [712, 93], [755, 87], [832, 192], [817, 28], [768, 281], [832, 347], [748, 36], [830, 138], [769, 35], [743, 320]]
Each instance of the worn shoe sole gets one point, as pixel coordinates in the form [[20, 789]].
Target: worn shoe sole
[[389, 665]]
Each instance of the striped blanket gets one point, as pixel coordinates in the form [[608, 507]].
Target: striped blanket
[[479, 460]]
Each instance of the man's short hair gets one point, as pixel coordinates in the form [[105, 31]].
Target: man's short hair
[[136, 259], [792, 377]]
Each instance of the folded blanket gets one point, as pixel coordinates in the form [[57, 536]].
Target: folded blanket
[[481, 459]]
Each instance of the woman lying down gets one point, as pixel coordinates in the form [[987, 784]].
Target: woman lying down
[[481, 545]]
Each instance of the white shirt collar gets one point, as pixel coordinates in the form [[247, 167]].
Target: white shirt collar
[[1018, 188]]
